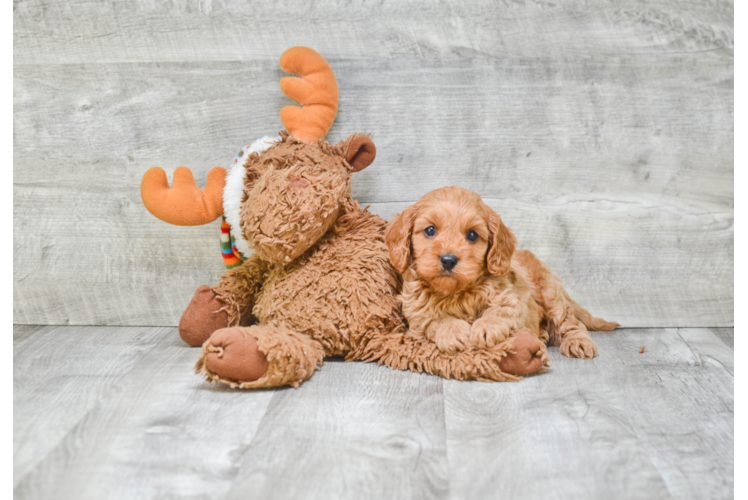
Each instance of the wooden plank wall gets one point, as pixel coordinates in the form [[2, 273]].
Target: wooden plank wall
[[602, 132]]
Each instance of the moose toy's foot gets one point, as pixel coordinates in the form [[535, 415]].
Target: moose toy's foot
[[259, 356], [233, 354], [202, 317], [527, 357]]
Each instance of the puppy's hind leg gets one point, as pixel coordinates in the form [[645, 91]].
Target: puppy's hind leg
[[567, 321], [571, 329], [572, 336]]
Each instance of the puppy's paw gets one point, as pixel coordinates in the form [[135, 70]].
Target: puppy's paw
[[452, 336], [578, 347], [486, 333]]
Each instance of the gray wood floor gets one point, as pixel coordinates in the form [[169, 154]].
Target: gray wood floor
[[105, 412]]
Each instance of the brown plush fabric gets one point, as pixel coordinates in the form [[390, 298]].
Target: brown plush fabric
[[236, 354], [259, 356], [292, 218], [238, 288], [203, 316], [361, 152], [528, 356], [321, 284]]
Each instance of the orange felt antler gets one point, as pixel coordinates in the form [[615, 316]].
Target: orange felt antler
[[316, 91], [184, 204]]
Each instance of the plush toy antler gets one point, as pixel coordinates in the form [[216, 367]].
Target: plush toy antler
[[316, 91], [184, 204]]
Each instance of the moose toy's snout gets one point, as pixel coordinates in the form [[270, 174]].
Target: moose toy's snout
[[298, 182]]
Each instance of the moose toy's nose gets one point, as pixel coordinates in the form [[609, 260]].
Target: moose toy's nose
[[448, 261], [298, 182]]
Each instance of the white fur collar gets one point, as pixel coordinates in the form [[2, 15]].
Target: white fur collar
[[234, 190]]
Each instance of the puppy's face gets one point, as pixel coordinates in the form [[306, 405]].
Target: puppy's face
[[450, 242], [450, 239]]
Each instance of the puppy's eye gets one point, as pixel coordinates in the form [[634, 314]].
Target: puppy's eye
[[472, 235], [429, 231]]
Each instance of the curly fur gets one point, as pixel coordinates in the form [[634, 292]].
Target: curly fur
[[491, 293]]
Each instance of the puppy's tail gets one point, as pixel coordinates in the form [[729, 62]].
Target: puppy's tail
[[591, 322]]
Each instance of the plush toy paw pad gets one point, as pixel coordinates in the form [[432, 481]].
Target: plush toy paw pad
[[528, 355], [233, 354], [202, 317]]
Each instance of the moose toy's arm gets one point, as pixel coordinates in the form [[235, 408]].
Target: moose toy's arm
[[227, 304], [519, 355], [239, 287]]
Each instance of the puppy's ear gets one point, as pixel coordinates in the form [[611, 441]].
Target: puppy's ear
[[502, 243], [397, 238]]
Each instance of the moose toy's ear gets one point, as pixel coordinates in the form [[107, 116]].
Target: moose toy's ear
[[361, 152]]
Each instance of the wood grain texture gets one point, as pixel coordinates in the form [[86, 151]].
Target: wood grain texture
[[353, 431], [741, 352], [657, 424], [214, 30], [604, 138], [681, 403], [727, 335], [60, 374], [159, 432]]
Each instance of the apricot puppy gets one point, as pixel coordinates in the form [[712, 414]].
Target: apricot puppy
[[465, 287]]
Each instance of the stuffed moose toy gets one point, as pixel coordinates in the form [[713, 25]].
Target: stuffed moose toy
[[309, 274]]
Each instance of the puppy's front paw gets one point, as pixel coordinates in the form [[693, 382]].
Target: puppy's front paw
[[452, 336], [578, 347], [486, 333]]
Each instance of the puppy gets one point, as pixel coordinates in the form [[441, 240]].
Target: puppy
[[465, 286]]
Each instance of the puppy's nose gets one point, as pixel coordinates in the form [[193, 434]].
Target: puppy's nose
[[448, 261]]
